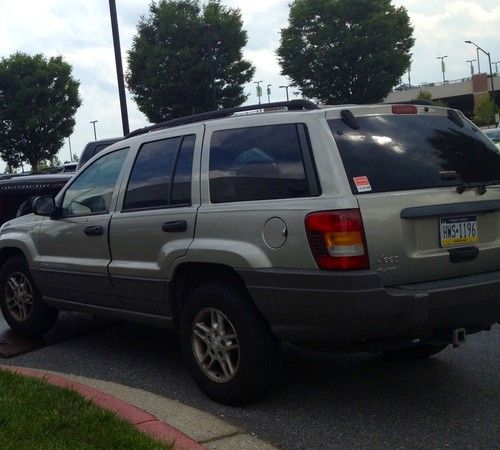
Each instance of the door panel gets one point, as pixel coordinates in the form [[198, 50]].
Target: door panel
[[139, 266], [74, 248], [73, 265], [156, 221]]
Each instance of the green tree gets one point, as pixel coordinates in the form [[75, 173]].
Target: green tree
[[426, 95], [38, 101], [169, 63], [484, 111], [345, 51], [49, 164]]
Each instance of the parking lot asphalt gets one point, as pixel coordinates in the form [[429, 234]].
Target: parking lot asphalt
[[322, 400]]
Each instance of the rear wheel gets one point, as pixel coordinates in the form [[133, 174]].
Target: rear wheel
[[420, 352], [21, 302], [228, 348]]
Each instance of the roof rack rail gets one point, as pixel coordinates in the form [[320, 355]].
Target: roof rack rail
[[292, 105]]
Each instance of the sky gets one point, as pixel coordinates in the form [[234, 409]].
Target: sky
[[80, 31]]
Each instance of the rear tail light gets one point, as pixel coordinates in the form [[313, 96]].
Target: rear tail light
[[337, 239], [404, 109]]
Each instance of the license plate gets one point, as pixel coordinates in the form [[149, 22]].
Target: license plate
[[458, 231]]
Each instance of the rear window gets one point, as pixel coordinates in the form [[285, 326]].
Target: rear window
[[260, 163], [403, 152]]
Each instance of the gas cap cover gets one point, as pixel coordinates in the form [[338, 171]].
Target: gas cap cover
[[275, 232]]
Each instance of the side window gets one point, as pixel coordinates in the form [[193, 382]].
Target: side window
[[257, 163], [161, 174], [91, 192]]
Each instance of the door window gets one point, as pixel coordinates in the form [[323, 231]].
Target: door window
[[161, 175], [92, 191]]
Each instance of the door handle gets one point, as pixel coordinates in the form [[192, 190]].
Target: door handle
[[174, 226], [95, 230]]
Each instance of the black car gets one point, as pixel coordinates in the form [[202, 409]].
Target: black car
[[17, 192]]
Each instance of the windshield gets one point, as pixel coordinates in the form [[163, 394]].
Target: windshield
[[402, 152], [494, 135]]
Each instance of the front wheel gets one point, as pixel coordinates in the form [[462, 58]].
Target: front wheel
[[228, 348], [21, 302]]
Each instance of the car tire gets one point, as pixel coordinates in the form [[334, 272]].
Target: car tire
[[253, 355], [21, 302], [419, 352]]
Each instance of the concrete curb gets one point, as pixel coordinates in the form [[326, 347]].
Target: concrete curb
[[189, 427], [142, 420]]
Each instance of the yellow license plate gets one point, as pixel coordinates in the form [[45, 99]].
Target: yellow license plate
[[454, 231]]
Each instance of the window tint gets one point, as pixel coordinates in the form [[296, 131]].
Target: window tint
[[91, 192], [397, 152], [150, 184], [181, 190], [257, 163]]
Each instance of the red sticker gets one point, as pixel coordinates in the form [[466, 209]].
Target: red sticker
[[362, 184]]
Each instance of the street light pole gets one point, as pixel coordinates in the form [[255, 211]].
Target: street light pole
[[286, 88], [442, 66], [119, 67], [471, 66], [70, 153], [491, 69], [259, 89], [93, 122], [269, 93], [409, 74]]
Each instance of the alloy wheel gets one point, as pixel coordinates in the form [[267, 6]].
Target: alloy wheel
[[215, 345], [19, 296]]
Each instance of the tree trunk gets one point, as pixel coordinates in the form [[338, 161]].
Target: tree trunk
[[34, 165]]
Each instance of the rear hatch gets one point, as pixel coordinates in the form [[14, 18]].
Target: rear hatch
[[418, 173]]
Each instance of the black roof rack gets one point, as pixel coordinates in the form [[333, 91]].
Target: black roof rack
[[292, 105]]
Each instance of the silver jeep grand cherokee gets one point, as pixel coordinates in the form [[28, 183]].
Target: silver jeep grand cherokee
[[360, 228]]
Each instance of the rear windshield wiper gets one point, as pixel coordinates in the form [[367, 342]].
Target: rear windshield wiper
[[481, 187], [349, 119], [462, 187]]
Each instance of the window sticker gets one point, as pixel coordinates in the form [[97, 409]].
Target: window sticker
[[362, 184]]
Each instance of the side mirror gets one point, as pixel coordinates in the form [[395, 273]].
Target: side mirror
[[44, 206]]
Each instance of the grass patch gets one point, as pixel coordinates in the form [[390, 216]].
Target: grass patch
[[36, 415]]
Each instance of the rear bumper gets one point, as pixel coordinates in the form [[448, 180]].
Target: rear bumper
[[353, 306]]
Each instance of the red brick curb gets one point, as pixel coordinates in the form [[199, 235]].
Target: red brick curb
[[142, 420]]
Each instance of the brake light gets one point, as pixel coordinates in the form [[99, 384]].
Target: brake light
[[337, 239], [404, 109]]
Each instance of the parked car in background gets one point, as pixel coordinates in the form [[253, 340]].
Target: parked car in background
[[8, 176], [93, 148], [361, 228], [18, 191], [65, 168], [494, 135]]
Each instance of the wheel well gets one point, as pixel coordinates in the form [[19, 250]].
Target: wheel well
[[9, 252], [189, 275]]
